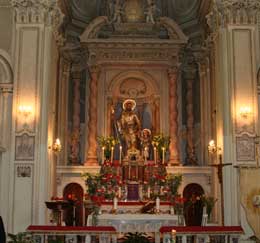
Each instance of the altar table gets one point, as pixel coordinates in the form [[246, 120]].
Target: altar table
[[148, 223]]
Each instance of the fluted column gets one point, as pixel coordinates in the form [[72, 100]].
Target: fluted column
[[75, 136], [173, 116], [189, 77], [92, 123]]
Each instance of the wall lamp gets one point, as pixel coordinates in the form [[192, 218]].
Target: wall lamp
[[56, 146], [245, 112]]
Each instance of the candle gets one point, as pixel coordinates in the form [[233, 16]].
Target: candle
[[112, 154], [115, 203], [157, 204], [103, 155], [120, 154], [119, 192], [145, 154], [163, 155], [154, 155], [149, 192]]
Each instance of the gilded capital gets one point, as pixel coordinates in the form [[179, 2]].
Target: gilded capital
[[226, 12]]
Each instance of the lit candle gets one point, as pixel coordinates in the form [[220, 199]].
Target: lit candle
[[103, 155], [120, 154], [154, 155], [163, 155], [112, 154]]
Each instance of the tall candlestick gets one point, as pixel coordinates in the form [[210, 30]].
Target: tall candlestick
[[119, 192], [154, 150], [115, 203], [103, 155], [163, 155], [112, 154], [120, 154], [157, 204]]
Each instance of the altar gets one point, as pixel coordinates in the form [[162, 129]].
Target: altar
[[147, 223]]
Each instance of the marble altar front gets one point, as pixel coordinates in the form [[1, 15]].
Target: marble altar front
[[123, 223]]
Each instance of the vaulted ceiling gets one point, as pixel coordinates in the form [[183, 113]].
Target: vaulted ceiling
[[189, 14]]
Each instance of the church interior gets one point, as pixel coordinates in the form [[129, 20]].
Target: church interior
[[130, 120]]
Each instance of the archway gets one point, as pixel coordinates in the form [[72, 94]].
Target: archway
[[73, 215], [193, 207]]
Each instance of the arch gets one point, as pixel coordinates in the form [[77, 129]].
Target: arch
[[174, 31], [74, 191], [93, 28], [193, 207], [6, 72], [140, 75]]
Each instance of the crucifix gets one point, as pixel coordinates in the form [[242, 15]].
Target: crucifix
[[217, 150]]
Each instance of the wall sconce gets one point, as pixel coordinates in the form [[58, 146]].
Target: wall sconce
[[245, 112], [25, 111], [56, 147], [212, 148]]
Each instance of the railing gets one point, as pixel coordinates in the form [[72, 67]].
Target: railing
[[73, 234], [108, 234], [200, 234]]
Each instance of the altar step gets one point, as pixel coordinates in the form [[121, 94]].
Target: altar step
[[108, 234]]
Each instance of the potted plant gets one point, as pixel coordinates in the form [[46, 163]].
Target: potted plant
[[136, 238], [209, 203], [22, 237]]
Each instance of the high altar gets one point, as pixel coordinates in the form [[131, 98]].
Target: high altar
[[137, 63]]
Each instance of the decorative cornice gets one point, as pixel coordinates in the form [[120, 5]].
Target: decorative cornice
[[6, 88], [226, 12]]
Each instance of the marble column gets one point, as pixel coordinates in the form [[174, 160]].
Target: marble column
[[75, 136], [62, 129], [6, 96], [205, 106], [173, 116], [92, 122], [189, 77]]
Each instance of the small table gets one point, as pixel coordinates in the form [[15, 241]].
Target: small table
[[58, 206]]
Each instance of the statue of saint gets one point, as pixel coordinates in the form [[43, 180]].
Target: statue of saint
[[129, 127], [150, 12], [146, 137], [116, 11]]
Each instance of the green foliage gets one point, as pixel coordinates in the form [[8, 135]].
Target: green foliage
[[173, 182], [93, 182], [161, 142], [136, 238], [208, 202], [22, 237], [107, 143]]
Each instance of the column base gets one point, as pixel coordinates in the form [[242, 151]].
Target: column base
[[91, 161]]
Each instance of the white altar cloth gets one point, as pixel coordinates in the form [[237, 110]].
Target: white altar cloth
[[136, 222]]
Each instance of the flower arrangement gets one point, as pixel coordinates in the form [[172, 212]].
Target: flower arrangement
[[178, 204], [107, 143], [161, 142], [172, 184], [208, 202]]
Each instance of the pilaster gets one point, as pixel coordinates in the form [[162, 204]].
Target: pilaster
[[34, 51], [234, 31]]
